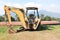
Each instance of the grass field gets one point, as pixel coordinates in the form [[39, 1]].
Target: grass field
[[51, 32]]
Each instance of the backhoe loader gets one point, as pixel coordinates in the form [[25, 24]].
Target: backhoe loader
[[28, 21]]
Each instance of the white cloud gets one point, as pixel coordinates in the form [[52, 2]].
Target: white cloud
[[8, 4], [17, 5], [53, 8], [52, 5], [32, 4], [1, 7]]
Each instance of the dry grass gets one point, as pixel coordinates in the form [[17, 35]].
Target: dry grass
[[53, 34]]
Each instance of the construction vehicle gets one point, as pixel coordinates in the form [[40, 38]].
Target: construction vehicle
[[27, 21], [30, 22]]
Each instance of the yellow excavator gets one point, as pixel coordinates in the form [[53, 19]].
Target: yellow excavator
[[28, 21]]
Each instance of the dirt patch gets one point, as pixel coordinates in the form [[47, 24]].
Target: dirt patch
[[31, 35]]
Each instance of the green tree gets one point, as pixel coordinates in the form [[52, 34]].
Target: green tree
[[47, 18], [1, 18], [42, 17]]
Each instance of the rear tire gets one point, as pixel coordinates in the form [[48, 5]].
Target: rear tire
[[31, 27], [39, 27]]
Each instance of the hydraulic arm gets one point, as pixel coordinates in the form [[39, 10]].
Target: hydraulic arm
[[16, 11]]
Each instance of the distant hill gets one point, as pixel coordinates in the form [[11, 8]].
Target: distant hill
[[52, 14]]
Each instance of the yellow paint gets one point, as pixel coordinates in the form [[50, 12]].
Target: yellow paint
[[21, 17], [18, 12], [6, 8]]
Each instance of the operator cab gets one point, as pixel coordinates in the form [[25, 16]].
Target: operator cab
[[32, 11], [33, 17], [32, 14]]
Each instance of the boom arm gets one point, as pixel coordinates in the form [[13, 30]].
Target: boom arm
[[18, 12]]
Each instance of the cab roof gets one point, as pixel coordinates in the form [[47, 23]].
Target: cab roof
[[31, 8]]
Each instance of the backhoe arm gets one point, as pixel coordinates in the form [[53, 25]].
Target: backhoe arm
[[7, 12], [16, 11]]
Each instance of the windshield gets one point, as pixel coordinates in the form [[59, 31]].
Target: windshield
[[34, 12]]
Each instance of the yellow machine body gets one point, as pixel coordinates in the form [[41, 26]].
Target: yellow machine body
[[22, 17], [18, 12]]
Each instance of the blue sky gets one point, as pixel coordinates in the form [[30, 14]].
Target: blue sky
[[48, 5]]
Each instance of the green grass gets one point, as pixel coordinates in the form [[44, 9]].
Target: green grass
[[55, 28], [3, 29], [52, 28]]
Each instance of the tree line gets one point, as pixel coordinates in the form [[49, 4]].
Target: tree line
[[43, 18], [49, 18]]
